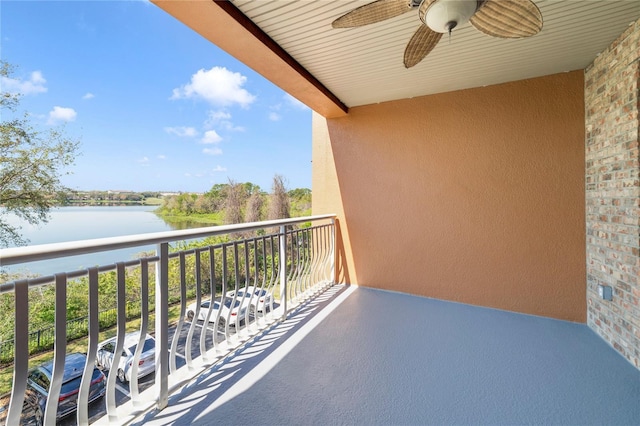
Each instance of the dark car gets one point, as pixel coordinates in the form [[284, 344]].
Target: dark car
[[39, 380]]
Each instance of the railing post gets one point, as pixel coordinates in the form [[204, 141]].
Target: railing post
[[283, 271], [162, 321]]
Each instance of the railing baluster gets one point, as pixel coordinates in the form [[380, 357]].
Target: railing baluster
[[332, 274], [259, 263], [247, 274], [324, 263], [183, 305], [21, 351], [295, 287], [212, 292], [187, 350], [225, 271], [301, 266], [322, 272], [282, 270], [315, 235], [292, 267], [328, 257], [144, 325], [307, 263], [60, 349], [121, 330], [273, 277], [303, 262], [93, 332], [236, 275]]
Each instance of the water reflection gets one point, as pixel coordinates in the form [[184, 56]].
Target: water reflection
[[185, 224], [90, 222]]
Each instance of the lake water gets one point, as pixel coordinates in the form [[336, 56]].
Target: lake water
[[81, 223]]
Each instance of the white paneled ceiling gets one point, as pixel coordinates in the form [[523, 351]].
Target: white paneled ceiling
[[365, 65]]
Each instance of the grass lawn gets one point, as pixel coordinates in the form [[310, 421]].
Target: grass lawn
[[153, 201], [208, 218]]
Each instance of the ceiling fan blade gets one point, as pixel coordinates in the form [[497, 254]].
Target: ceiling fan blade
[[508, 18], [371, 13], [422, 42]]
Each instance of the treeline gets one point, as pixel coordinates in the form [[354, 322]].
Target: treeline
[[112, 197], [235, 202]]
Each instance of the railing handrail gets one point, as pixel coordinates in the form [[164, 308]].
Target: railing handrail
[[16, 255]]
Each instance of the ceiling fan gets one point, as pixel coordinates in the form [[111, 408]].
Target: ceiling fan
[[497, 18]]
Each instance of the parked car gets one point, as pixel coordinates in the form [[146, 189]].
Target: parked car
[[224, 313], [39, 379], [146, 364], [256, 297]]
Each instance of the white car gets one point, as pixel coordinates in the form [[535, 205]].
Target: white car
[[258, 298], [224, 314], [146, 364]]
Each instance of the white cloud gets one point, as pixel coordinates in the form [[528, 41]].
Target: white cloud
[[162, 157], [212, 151], [294, 102], [88, 95], [187, 174], [35, 84], [144, 161], [219, 86], [210, 136], [219, 168], [221, 119], [274, 116], [59, 114], [218, 116], [182, 131]]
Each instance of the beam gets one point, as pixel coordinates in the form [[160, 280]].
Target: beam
[[227, 27]]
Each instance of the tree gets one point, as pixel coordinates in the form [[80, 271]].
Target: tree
[[254, 206], [203, 205], [278, 200], [31, 165], [233, 203]]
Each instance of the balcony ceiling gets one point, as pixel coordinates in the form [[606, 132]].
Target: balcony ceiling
[[364, 65]]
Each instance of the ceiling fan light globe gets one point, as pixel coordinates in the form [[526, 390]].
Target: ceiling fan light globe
[[444, 15]]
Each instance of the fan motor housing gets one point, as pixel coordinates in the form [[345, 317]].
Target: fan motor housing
[[442, 16]]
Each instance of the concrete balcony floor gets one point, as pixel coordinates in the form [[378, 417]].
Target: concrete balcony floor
[[364, 356]]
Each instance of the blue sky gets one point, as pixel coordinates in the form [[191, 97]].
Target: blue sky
[[154, 105]]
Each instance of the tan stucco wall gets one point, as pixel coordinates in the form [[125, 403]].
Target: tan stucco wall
[[475, 196]]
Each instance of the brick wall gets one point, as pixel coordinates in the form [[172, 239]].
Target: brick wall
[[613, 193]]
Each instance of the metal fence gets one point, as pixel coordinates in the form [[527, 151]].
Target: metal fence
[[43, 339]]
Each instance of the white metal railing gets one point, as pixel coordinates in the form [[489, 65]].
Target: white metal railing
[[276, 258]]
